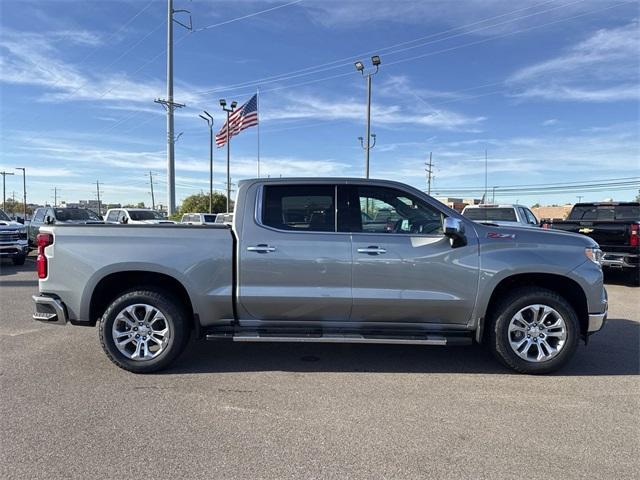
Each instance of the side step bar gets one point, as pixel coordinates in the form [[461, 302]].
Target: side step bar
[[344, 338]]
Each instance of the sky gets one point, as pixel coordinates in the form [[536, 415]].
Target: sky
[[550, 89]]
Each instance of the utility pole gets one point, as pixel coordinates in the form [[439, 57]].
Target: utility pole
[[229, 110], [153, 200], [170, 106], [485, 175], [429, 170], [55, 196], [98, 195], [493, 195], [366, 145], [209, 119], [580, 198], [4, 187], [24, 191]]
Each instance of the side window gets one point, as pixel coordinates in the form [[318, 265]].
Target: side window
[[531, 218], [523, 215], [39, 215], [113, 216], [304, 208], [387, 210]]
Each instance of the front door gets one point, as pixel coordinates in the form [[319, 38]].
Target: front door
[[404, 268], [293, 265]]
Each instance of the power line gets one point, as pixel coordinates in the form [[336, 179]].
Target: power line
[[226, 22]]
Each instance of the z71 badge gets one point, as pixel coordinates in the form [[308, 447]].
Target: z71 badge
[[500, 235]]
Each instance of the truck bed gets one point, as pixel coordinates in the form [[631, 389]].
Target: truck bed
[[198, 256]]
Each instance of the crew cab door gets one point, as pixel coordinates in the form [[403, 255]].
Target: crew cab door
[[404, 268], [293, 265]]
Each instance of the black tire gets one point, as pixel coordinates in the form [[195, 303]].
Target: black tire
[[175, 315], [19, 260], [512, 304], [635, 277]]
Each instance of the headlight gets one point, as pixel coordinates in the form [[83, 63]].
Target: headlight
[[594, 254], [22, 233]]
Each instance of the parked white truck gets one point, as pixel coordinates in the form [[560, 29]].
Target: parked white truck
[[310, 260]]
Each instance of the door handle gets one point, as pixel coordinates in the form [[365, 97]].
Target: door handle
[[372, 250], [261, 248]]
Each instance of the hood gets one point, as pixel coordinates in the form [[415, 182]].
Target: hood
[[10, 226], [536, 235]]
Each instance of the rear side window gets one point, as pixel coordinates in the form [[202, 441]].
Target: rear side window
[[304, 208], [209, 218], [113, 216], [489, 214]]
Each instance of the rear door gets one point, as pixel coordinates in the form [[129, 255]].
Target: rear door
[[404, 268], [293, 265]]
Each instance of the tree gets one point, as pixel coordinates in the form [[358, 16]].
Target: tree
[[638, 196], [199, 203]]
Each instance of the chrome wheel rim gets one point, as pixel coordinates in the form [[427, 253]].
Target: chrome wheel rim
[[141, 332], [537, 333]]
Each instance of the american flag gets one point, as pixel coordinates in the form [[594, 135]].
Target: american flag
[[244, 117]]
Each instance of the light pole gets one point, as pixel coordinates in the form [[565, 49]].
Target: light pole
[[375, 61], [229, 110], [209, 119], [24, 191], [493, 194]]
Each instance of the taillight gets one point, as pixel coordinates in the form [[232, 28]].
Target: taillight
[[633, 235], [43, 240]]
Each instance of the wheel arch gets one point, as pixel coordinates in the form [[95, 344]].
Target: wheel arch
[[112, 285], [564, 286]]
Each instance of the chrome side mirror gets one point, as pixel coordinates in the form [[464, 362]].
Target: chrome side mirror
[[454, 229]]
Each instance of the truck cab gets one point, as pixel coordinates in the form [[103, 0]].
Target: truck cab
[[509, 215]]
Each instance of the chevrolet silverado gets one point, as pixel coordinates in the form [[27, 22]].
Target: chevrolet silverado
[[307, 260]]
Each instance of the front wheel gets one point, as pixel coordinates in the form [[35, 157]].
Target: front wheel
[[143, 330], [534, 331]]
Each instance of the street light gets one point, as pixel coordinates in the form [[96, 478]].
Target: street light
[[24, 191], [223, 104], [375, 61], [209, 119]]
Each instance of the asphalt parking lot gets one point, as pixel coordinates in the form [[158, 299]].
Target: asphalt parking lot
[[312, 411]]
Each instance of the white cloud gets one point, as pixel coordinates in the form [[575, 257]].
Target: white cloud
[[601, 68], [314, 107], [550, 122]]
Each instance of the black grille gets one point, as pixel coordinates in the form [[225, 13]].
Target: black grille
[[9, 237]]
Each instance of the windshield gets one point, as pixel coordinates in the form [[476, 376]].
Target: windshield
[[144, 215], [491, 214], [4, 217], [605, 213], [66, 214]]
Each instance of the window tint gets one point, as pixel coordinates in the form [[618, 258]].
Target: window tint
[[209, 218], [627, 212], [39, 215], [143, 215], [66, 214], [487, 214], [386, 210], [299, 207], [4, 217], [113, 216]]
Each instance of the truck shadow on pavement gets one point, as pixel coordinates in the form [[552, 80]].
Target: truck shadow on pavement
[[8, 269], [614, 351]]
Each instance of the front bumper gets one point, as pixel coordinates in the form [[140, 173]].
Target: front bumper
[[49, 310], [597, 320], [10, 250]]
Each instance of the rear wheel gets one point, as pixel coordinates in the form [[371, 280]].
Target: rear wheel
[[144, 330], [534, 331]]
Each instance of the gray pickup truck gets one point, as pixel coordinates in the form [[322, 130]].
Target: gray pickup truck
[[309, 260]]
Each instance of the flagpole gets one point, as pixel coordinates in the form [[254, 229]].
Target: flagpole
[[258, 112]]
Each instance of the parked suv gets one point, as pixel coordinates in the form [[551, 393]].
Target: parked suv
[[199, 218], [55, 215], [13, 240], [503, 215], [133, 216]]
